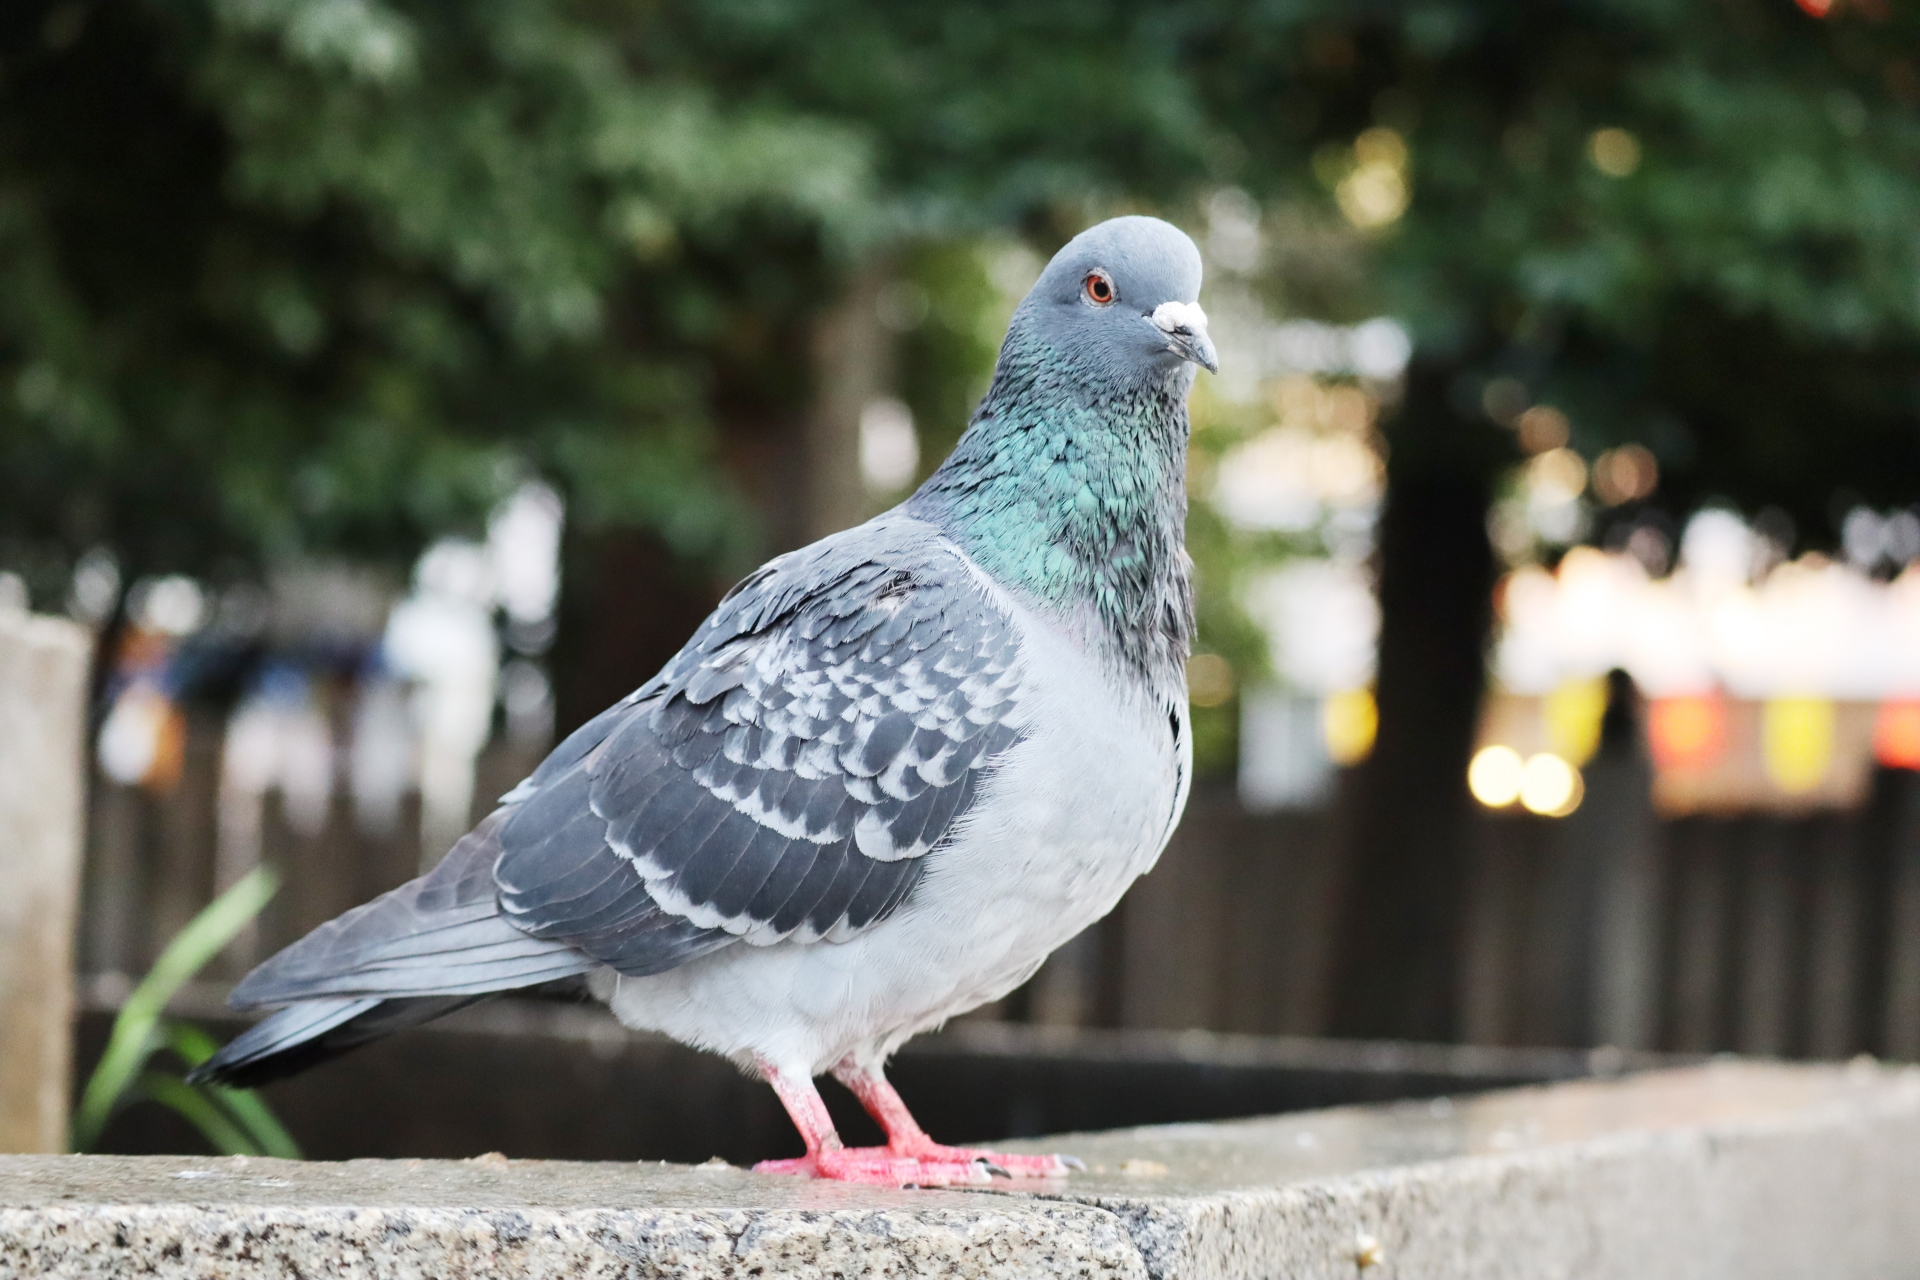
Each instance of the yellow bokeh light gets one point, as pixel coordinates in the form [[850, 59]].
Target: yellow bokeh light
[[1559, 475], [1550, 787], [1373, 195], [1375, 191], [1495, 776], [1348, 722], [1614, 152], [1796, 739], [1381, 145], [1573, 713]]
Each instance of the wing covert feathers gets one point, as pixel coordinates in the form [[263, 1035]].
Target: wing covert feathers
[[787, 773]]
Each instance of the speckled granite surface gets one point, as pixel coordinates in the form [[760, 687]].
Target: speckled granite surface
[[1730, 1170]]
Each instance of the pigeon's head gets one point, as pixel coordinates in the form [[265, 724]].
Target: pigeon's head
[[1121, 301]]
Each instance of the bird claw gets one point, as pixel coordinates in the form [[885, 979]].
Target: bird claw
[[1003, 1165], [880, 1166], [1074, 1163], [933, 1166]]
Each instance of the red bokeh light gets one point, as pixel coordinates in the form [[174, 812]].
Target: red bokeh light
[[1687, 732], [1896, 735]]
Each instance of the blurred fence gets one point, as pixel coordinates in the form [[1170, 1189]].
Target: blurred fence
[[1764, 934], [1795, 936], [153, 854]]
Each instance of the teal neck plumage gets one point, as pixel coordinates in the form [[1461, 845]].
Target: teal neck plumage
[[1077, 499]]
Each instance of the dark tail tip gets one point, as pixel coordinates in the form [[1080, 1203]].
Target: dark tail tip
[[311, 1032]]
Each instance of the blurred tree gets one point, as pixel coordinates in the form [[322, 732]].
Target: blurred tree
[[310, 277], [1686, 226]]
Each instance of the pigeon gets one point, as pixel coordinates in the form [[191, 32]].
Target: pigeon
[[889, 774]]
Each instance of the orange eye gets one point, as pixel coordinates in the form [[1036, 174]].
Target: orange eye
[[1099, 288]]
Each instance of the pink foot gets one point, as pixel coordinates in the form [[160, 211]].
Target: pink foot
[[933, 1166], [1002, 1163], [879, 1166]]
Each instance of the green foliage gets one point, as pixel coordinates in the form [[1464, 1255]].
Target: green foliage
[[1745, 241], [946, 360], [235, 1121], [281, 277]]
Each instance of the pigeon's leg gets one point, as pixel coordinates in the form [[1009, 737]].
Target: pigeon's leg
[[905, 1136], [827, 1158]]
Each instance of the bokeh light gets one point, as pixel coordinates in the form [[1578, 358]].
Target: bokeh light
[[1796, 739], [1573, 712], [1375, 192], [1348, 722], [1687, 732], [1625, 474], [1896, 735], [1543, 427], [1495, 776], [1558, 475], [1550, 787], [1614, 152]]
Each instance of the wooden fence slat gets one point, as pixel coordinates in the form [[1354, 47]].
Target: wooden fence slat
[[1701, 932], [43, 744], [1833, 970], [1769, 910]]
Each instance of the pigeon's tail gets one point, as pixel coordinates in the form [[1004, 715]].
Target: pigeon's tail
[[312, 1031], [431, 946]]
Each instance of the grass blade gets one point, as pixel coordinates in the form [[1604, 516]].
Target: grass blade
[[245, 1106], [171, 1091], [134, 1035]]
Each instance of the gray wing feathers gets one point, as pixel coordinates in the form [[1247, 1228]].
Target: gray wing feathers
[[441, 934], [295, 1025], [785, 776], [788, 771]]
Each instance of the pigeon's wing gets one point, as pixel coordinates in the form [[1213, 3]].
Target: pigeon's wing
[[439, 935], [787, 773]]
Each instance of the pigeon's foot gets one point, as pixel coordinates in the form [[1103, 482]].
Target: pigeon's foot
[[910, 1158], [999, 1164], [937, 1166]]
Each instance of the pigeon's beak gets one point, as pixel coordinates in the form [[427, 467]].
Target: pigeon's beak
[[1185, 325]]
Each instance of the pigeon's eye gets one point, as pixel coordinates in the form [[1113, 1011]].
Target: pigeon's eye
[[1099, 288]]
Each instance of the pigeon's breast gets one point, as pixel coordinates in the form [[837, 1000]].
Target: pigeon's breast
[[1069, 816], [1075, 811]]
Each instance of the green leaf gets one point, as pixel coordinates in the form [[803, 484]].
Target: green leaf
[[134, 1036], [199, 1110], [194, 1047]]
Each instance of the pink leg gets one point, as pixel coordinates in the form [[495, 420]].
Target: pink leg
[[906, 1137], [827, 1158]]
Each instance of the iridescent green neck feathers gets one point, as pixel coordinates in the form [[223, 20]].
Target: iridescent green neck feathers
[[1073, 492]]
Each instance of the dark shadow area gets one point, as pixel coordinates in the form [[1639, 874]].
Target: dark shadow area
[[565, 1083]]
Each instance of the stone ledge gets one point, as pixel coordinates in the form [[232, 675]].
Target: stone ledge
[[1729, 1170]]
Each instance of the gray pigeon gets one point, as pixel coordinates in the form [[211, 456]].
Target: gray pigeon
[[889, 774]]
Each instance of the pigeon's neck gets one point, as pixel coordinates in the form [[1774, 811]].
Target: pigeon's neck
[[1078, 499]]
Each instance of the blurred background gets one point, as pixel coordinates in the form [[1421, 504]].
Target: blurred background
[[392, 385]]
